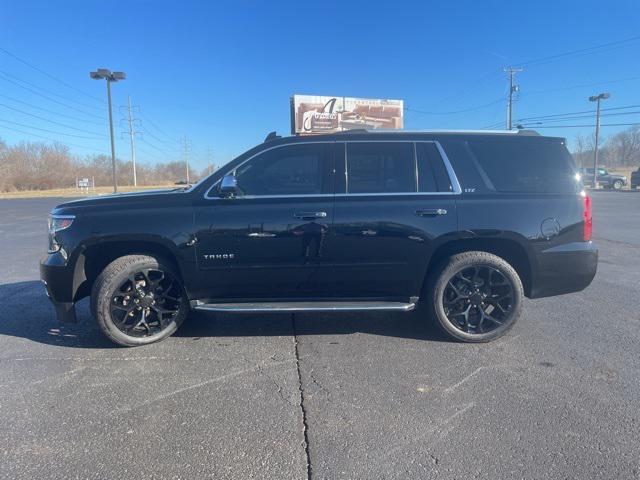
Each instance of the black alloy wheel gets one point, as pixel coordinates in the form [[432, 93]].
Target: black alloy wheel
[[478, 299], [475, 296], [139, 299], [146, 302]]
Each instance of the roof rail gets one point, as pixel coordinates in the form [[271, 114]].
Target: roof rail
[[271, 137]]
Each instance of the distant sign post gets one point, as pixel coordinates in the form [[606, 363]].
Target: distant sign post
[[84, 184], [312, 114]]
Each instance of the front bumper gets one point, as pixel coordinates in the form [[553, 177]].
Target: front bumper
[[58, 279], [564, 269]]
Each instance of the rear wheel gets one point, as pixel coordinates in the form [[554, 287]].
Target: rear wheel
[[139, 299], [475, 296]]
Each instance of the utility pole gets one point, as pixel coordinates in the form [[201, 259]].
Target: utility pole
[[209, 161], [513, 88], [186, 147], [132, 133], [597, 98], [109, 76]]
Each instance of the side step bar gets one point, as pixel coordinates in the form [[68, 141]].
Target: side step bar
[[303, 307]]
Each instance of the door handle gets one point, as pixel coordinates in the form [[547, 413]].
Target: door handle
[[310, 215], [431, 212]]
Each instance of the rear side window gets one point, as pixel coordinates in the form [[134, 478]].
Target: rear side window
[[525, 165], [432, 174], [380, 167]]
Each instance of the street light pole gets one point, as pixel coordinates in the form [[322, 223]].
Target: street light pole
[[109, 76], [597, 98], [113, 145]]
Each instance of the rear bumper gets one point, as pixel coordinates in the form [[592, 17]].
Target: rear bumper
[[58, 281], [564, 269]]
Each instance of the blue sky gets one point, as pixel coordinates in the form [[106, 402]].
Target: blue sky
[[222, 72]]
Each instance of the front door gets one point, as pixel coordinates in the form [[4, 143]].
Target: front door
[[267, 242], [392, 200]]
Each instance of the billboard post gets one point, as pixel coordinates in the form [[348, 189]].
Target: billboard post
[[314, 114]]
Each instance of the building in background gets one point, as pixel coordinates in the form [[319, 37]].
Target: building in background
[[313, 114]]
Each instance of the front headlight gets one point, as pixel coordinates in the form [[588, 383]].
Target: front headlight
[[56, 224]]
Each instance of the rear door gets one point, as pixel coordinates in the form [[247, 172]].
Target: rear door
[[393, 198]]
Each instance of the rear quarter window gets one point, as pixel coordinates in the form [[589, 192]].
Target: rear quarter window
[[525, 165]]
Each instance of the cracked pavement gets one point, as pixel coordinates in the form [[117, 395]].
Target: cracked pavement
[[326, 396]]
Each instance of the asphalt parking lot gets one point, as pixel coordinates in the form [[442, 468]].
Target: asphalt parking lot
[[342, 396]]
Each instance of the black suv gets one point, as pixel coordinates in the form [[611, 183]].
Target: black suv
[[464, 224]]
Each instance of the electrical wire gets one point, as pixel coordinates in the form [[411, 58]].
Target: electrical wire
[[52, 139], [582, 126], [49, 92], [62, 82], [587, 50], [51, 111], [52, 121], [584, 85], [49, 98], [608, 109], [46, 130], [158, 129], [456, 111]]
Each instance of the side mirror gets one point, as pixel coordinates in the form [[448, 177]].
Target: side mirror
[[228, 186]]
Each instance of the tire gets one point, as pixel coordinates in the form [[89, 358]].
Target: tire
[[617, 185], [475, 327], [114, 297]]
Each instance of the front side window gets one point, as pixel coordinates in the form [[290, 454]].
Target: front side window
[[380, 167], [289, 170]]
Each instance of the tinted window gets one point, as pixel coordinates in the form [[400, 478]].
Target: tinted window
[[525, 165], [432, 174], [380, 167], [289, 170]]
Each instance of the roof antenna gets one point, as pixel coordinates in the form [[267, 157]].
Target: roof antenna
[[272, 136]]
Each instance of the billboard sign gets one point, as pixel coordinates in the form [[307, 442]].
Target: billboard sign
[[311, 114]]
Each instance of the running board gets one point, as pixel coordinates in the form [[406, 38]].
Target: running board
[[303, 307]]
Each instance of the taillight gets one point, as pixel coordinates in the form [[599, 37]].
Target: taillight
[[588, 219]]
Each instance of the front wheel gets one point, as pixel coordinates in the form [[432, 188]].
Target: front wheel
[[139, 299], [475, 296], [617, 185]]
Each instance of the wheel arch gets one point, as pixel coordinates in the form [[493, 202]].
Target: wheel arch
[[509, 249], [93, 258]]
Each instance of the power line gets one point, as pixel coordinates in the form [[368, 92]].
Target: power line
[[50, 111], [157, 138], [51, 121], [49, 98], [46, 130], [584, 85], [581, 126], [456, 111], [548, 59], [13, 55], [52, 139], [164, 152], [16, 78], [579, 51], [158, 129], [578, 117], [539, 117]]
